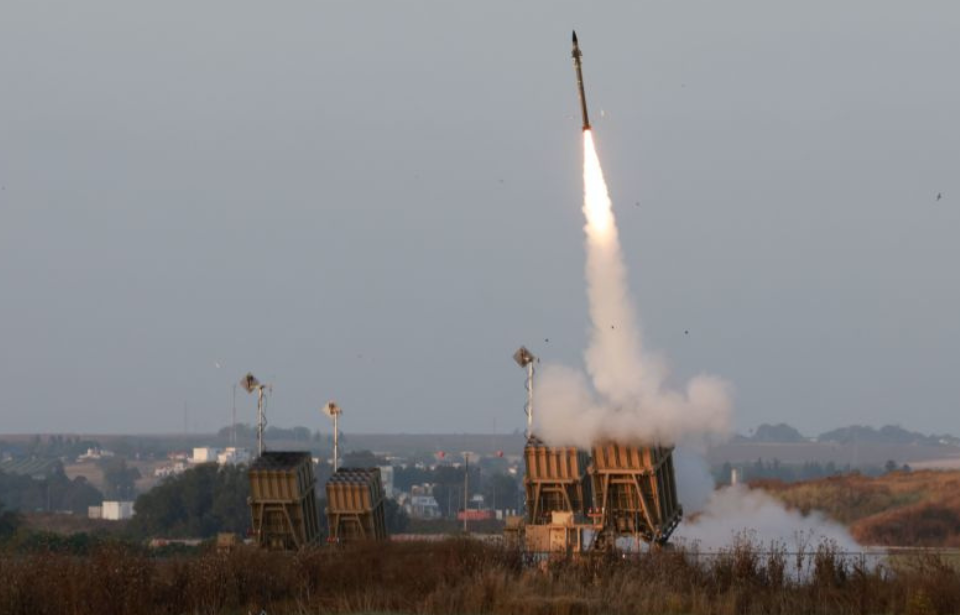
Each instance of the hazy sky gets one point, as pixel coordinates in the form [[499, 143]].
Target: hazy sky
[[378, 202]]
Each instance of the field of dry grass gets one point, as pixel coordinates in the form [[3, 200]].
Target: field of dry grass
[[905, 509], [70, 524], [467, 577]]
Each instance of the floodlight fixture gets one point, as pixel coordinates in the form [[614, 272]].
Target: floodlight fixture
[[523, 357], [250, 383]]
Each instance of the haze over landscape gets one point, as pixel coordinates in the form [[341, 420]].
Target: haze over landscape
[[343, 308], [378, 207]]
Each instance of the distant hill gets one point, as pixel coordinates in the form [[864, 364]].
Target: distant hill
[[888, 434], [781, 432]]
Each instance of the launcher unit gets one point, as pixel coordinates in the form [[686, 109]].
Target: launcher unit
[[635, 492], [556, 481], [283, 500], [355, 505], [578, 502]]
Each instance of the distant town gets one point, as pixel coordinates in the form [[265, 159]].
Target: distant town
[[144, 486]]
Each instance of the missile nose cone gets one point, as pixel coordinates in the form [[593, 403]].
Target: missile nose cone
[[574, 37]]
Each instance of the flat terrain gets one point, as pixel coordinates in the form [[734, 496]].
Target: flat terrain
[[60, 523]]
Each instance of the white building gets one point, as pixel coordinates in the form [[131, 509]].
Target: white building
[[386, 477], [116, 510], [93, 454], [422, 507], [204, 454], [170, 470], [233, 456]]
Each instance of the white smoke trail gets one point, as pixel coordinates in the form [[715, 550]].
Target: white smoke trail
[[630, 400], [626, 400]]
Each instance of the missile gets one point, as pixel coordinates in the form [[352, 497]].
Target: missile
[[576, 65]]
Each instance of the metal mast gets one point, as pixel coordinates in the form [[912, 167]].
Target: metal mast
[[251, 384], [524, 358], [334, 411]]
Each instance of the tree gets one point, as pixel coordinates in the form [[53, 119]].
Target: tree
[[396, 518], [404, 478], [77, 495], [362, 459], [244, 432], [120, 479], [10, 520], [500, 491], [55, 492], [780, 432], [198, 503], [448, 487]]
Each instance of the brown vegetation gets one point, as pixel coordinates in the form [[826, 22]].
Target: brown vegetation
[[904, 509], [468, 577], [59, 523]]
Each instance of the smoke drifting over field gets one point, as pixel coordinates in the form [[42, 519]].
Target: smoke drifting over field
[[626, 397], [715, 518], [737, 511]]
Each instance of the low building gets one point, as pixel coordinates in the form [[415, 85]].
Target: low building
[[233, 456], [422, 507], [116, 510], [386, 475], [204, 454], [170, 470], [93, 454]]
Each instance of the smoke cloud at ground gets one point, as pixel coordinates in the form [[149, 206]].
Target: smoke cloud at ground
[[737, 511], [715, 518]]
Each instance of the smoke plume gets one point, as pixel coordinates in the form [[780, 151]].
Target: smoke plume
[[625, 398]]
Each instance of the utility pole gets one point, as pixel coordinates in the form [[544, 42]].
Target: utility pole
[[233, 433], [261, 421], [336, 441], [466, 489]]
